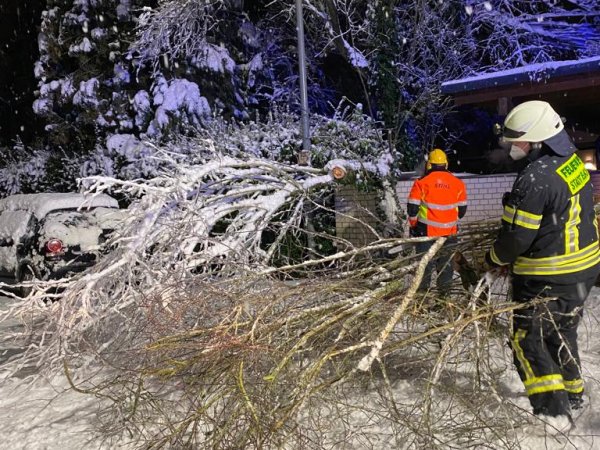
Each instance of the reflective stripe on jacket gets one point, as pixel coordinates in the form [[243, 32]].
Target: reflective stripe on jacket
[[435, 203], [549, 228]]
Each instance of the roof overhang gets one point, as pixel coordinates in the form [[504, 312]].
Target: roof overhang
[[528, 80]]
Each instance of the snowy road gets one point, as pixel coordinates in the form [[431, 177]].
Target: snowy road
[[6, 326], [45, 415]]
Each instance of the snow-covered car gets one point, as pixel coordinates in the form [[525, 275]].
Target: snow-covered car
[[50, 235]]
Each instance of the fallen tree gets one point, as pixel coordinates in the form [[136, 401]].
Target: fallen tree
[[196, 331]]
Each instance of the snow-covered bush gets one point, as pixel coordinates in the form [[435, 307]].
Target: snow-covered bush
[[354, 142], [27, 170], [348, 135]]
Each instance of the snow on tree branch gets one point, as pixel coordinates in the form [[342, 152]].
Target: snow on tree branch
[[246, 194], [181, 29], [205, 218]]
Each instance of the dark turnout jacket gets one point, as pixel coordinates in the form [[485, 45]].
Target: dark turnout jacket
[[549, 228]]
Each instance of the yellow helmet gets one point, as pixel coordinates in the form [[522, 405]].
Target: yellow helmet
[[436, 157]]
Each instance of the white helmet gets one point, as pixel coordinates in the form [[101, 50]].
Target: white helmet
[[536, 121]]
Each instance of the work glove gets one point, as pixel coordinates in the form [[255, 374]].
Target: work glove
[[493, 270]]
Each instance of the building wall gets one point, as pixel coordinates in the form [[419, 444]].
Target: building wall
[[484, 194], [353, 216]]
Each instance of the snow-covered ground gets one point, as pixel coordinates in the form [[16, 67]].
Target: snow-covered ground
[[48, 415]]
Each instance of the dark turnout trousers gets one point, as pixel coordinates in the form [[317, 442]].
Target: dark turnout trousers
[[442, 262], [545, 343]]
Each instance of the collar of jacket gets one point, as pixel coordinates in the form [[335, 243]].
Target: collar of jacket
[[435, 169], [534, 154], [537, 153]]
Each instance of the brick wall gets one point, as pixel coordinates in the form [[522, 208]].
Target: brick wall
[[354, 215], [353, 208]]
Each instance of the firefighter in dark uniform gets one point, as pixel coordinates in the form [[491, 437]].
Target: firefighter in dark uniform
[[549, 239], [435, 204]]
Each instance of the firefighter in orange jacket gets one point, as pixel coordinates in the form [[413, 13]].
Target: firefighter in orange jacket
[[435, 204]]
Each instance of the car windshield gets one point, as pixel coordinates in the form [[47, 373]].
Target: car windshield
[[82, 228]]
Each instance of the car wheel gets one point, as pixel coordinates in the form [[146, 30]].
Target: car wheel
[[27, 274]]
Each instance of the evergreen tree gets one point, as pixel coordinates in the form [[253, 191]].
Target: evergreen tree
[[86, 80]]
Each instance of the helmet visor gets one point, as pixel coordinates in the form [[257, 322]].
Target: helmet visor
[[512, 134]]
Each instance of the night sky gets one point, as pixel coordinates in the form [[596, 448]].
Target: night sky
[[19, 25]]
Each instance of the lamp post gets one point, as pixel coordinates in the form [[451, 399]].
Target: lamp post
[[304, 156]]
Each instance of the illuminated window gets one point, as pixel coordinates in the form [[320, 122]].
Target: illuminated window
[[589, 158]]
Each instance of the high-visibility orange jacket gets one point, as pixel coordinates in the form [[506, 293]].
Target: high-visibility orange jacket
[[435, 203]]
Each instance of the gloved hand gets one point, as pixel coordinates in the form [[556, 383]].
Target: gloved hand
[[495, 270], [495, 273]]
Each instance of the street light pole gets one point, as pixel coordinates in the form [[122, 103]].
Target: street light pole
[[304, 157]]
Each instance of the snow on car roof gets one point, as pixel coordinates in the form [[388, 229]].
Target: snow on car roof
[[42, 204]]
